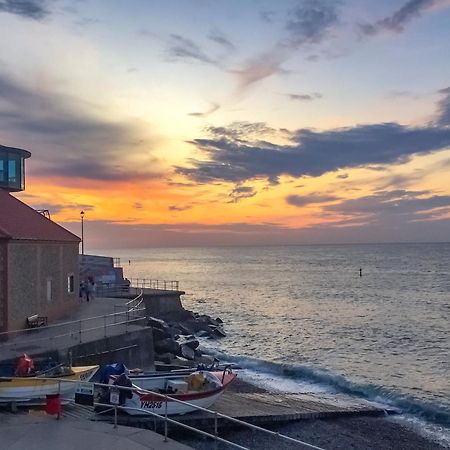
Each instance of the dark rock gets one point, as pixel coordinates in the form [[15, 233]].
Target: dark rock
[[175, 330], [193, 343], [187, 352], [167, 345], [219, 320], [178, 316], [165, 358], [190, 341], [217, 331], [204, 333], [188, 327], [159, 334]]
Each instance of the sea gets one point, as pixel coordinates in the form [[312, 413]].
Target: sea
[[371, 321]]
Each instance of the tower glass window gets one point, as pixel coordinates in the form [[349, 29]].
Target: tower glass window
[[12, 168]]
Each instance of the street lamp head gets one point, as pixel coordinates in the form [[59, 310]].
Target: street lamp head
[[82, 214]]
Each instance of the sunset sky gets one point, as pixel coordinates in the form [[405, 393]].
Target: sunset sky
[[237, 122]]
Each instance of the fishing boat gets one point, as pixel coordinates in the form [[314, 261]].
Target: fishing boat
[[33, 388], [150, 393]]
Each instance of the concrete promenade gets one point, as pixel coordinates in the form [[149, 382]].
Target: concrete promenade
[[38, 431], [44, 432], [59, 335]]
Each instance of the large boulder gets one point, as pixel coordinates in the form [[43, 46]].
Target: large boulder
[[187, 352], [165, 358], [160, 334], [167, 345], [217, 331], [189, 340]]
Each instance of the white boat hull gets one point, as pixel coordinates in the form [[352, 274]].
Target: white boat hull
[[145, 398], [137, 407]]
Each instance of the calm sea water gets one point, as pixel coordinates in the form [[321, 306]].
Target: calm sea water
[[303, 317]]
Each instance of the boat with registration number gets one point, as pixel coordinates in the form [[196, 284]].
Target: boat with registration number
[[150, 393]]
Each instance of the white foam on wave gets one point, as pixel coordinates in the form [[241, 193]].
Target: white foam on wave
[[432, 432], [275, 383]]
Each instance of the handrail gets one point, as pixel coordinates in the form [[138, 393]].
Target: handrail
[[79, 330], [71, 333], [166, 285], [56, 325], [166, 419]]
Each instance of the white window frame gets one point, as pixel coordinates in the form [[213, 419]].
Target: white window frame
[[70, 283], [49, 285]]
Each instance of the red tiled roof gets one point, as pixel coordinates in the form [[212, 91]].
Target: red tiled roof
[[20, 221]]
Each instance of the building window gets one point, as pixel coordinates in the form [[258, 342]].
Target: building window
[[70, 284], [49, 290]]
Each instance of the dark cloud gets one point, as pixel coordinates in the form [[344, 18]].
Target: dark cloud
[[235, 158], [310, 22], [241, 192], [382, 207], [31, 9], [305, 97], [309, 199], [214, 107], [219, 38], [179, 208], [444, 108], [184, 48], [244, 131], [138, 205], [397, 21], [65, 139], [54, 208]]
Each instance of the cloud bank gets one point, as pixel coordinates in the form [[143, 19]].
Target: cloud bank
[[30, 9], [399, 19], [65, 138], [231, 157]]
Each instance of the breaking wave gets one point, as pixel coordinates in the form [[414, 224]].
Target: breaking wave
[[306, 377]]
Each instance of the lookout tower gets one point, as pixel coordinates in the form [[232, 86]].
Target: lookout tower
[[12, 168]]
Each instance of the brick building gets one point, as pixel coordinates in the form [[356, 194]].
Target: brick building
[[39, 272]]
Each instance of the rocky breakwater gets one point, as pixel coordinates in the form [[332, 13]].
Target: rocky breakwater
[[175, 338]]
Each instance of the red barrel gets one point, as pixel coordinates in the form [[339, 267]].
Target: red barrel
[[53, 404]]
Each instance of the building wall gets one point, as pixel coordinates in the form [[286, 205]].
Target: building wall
[[38, 280], [3, 288]]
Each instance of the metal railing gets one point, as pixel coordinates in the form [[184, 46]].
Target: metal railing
[[166, 285], [132, 308], [167, 420], [77, 329], [124, 289]]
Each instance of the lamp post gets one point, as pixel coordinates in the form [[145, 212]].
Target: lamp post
[[82, 232]]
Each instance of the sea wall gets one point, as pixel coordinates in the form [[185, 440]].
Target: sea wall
[[134, 349], [163, 303]]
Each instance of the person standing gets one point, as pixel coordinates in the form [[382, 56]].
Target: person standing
[[90, 288]]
